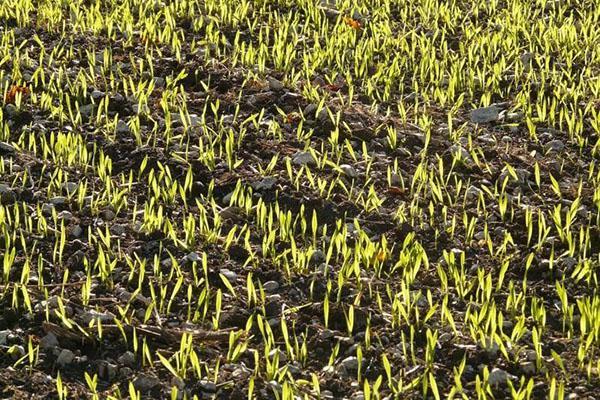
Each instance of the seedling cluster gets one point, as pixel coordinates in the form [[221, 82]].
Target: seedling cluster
[[307, 199]]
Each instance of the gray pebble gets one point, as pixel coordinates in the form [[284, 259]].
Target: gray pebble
[[6, 148], [49, 341], [499, 377], [65, 357], [485, 114], [229, 275], [127, 359], [349, 171], [304, 158], [270, 286], [145, 382], [555, 145], [122, 128], [108, 214]]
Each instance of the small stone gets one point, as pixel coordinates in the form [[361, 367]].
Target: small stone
[[522, 175], [499, 377], [461, 152], [265, 184], [145, 382], [49, 341], [231, 212], [396, 180], [17, 352], [193, 257], [108, 214], [47, 209], [326, 334], [317, 257], [555, 145], [107, 370], [327, 394], [309, 111], [159, 82], [122, 128], [229, 275], [58, 201], [86, 111], [530, 355], [76, 231], [275, 84], [65, 216], [10, 112], [207, 386], [6, 148], [282, 356], [271, 286], [4, 337], [97, 95], [489, 139], [514, 116], [473, 192], [528, 367], [349, 171], [127, 359], [491, 348], [275, 386], [304, 158], [90, 315], [526, 59], [65, 357], [118, 229], [350, 363], [7, 195], [485, 114], [227, 198], [70, 187]]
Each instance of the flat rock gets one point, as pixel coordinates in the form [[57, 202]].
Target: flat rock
[[49, 342], [485, 115], [145, 382], [127, 358], [265, 184], [90, 315]]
